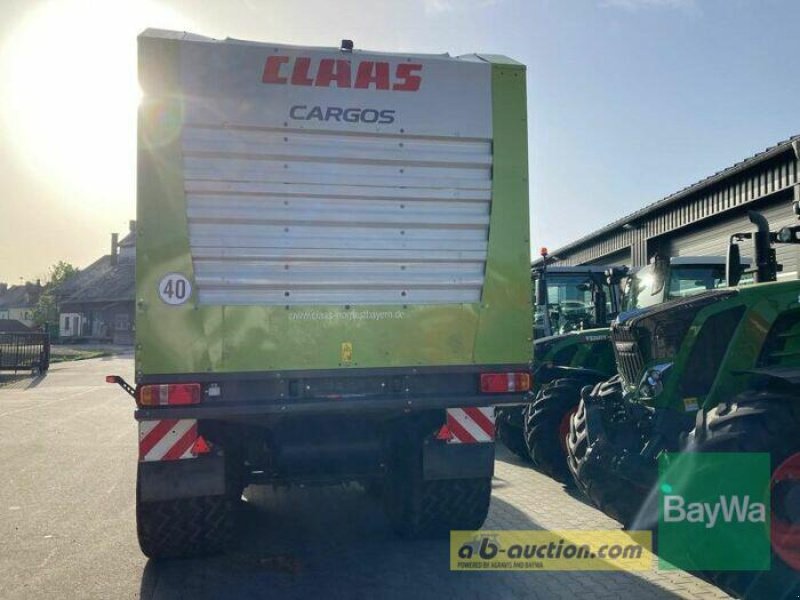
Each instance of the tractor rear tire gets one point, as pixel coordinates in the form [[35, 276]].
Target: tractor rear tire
[[586, 456], [185, 527], [419, 509], [545, 437], [757, 421]]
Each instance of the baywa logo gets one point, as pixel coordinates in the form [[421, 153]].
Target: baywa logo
[[714, 511], [730, 509]]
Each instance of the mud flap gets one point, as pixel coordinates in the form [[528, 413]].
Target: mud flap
[[457, 461], [169, 480]]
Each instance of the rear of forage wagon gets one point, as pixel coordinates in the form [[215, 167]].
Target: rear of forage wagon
[[333, 279]]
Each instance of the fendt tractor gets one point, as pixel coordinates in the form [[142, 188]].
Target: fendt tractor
[[572, 309], [567, 363], [333, 279], [718, 371]]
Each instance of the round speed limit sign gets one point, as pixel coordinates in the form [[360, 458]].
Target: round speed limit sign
[[174, 289]]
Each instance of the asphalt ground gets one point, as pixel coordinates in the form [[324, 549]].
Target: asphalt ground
[[68, 446]]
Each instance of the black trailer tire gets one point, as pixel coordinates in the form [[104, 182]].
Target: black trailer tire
[[615, 496], [512, 437], [185, 527], [419, 509], [755, 421], [544, 423]]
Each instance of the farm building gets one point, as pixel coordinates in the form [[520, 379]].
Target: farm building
[[699, 220]]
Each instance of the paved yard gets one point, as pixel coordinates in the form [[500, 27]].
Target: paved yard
[[68, 450]]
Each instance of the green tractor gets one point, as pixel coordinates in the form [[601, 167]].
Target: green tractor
[[714, 372], [572, 310]]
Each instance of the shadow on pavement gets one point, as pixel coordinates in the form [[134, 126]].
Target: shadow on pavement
[[506, 455], [335, 543], [20, 381]]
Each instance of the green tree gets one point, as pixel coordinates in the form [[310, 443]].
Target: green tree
[[46, 310]]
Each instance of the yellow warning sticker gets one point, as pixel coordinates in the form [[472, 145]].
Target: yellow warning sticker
[[347, 352]]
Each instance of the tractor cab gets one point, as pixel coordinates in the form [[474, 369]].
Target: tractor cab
[[670, 278], [575, 298]]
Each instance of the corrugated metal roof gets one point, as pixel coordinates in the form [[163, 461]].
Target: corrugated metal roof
[[791, 144]]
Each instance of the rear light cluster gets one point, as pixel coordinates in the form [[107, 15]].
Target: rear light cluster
[[170, 394], [499, 383]]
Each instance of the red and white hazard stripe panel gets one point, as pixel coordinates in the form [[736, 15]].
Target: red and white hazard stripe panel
[[470, 425], [167, 439]]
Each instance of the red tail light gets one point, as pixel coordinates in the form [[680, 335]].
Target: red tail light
[[170, 394], [499, 383]]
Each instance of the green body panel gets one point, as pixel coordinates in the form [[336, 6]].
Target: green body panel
[[588, 349], [763, 304], [229, 339], [506, 312]]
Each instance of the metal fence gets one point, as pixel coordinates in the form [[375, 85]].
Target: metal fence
[[24, 352]]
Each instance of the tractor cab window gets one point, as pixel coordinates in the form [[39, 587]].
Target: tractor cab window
[[687, 280], [644, 289], [570, 304]]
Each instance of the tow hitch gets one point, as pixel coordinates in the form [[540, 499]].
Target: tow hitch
[[122, 383]]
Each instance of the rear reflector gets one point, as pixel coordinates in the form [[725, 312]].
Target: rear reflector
[[498, 383], [170, 394], [200, 446]]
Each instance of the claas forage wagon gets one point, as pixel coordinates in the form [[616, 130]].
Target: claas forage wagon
[[333, 279]]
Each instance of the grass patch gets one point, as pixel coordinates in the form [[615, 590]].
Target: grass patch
[[78, 355]]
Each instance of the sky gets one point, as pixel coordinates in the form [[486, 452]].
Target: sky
[[628, 100]]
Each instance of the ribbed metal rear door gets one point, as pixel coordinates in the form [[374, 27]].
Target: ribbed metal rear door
[[280, 216]]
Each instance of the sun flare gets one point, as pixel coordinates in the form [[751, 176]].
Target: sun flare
[[71, 95]]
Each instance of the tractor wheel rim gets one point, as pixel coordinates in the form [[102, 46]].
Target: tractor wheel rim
[[785, 533], [563, 428]]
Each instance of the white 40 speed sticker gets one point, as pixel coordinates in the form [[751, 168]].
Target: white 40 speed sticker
[[174, 289]]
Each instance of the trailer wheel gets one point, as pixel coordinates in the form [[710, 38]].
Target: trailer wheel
[[185, 527], [762, 421], [547, 427], [431, 509]]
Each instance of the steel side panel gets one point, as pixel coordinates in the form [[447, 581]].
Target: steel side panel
[[506, 316], [201, 337]]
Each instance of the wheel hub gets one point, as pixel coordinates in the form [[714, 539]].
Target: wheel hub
[[785, 523]]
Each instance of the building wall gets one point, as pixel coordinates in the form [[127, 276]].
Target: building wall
[[769, 180], [23, 315], [623, 257], [711, 238], [102, 322], [70, 325]]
